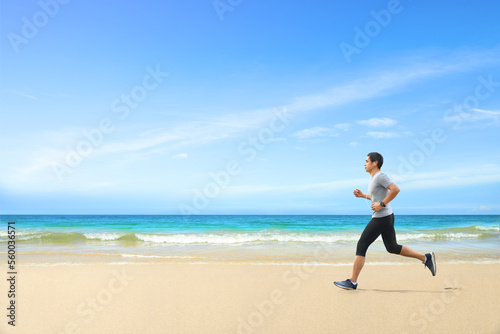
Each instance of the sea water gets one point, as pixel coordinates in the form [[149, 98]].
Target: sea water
[[257, 239]]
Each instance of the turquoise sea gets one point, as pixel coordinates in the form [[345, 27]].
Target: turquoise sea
[[312, 239]]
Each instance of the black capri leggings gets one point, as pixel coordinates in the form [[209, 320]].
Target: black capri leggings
[[376, 227]]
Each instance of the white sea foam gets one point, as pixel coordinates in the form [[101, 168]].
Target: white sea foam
[[487, 228], [102, 236], [262, 237], [239, 238], [438, 236], [141, 256], [24, 235]]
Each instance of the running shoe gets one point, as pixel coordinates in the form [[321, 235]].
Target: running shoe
[[431, 263], [347, 284]]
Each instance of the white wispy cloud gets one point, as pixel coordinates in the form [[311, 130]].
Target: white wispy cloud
[[315, 132], [41, 160], [488, 112], [383, 83], [31, 97], [319, 132], [57, 95], [377, 134], [473, 115], [278, 140], [342, 126], [378, 122], [137, 144], [180, 156]]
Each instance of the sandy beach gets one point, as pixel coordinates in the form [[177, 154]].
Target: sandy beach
[[213, 167], [236, 298]]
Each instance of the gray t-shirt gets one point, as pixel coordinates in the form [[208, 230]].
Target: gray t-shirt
[[378, 191]]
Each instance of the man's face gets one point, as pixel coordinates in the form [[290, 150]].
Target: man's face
[[369, 165]]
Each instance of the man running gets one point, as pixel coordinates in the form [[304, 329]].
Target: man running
[[381, 191]]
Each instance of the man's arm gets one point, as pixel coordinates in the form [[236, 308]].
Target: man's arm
[[393, 192], [359, 193]]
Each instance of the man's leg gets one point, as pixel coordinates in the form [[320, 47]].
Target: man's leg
[[429, 259], [408, 252], [389, 238], [359, 262], [369, 235]]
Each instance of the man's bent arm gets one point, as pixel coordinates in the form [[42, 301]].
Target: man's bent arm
[[393, 192]]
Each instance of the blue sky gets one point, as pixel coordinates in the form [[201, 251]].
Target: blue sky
[[248, 107]]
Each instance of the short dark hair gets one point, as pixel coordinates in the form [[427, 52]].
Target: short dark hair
[[375, 156]]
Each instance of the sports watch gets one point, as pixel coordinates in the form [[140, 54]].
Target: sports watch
[[383, 205]]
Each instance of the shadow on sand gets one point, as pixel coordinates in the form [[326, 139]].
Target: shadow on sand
[[445, 290]]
